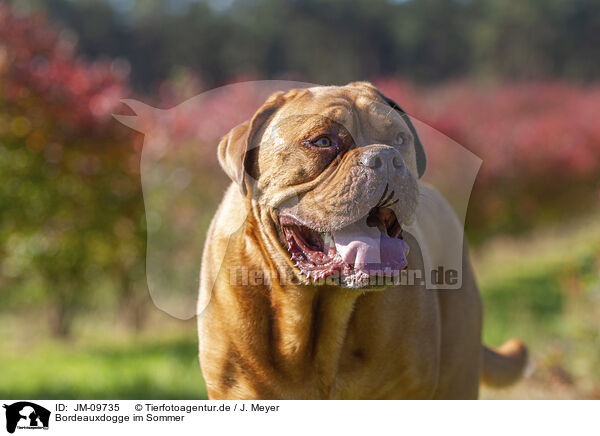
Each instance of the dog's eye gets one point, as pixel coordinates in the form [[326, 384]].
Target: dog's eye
[[400, 139], [322, 142]]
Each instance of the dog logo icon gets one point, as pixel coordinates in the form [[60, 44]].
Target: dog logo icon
[[26, 415]]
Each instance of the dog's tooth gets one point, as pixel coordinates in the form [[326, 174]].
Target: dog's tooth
[[327, 239]]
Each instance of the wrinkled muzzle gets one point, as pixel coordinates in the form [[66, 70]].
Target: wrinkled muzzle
[[351, 222]]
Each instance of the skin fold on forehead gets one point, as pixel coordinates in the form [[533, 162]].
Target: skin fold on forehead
[[361, 111]]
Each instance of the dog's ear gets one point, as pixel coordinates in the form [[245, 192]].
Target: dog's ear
[[232, 153], [420, 155], [234, 146]]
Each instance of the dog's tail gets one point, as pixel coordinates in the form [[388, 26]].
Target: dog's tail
[[504, 365]]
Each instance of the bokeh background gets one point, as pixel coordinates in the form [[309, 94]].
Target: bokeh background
[[514, 82]]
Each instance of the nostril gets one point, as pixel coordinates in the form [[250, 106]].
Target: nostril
[[376, 162], [371, 161], [397, 162]]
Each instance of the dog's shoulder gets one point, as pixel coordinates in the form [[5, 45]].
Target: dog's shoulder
[[434, 210], [437, 228], [228, 220], [230, 215]]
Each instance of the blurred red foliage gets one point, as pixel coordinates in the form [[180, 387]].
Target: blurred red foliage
[[539, 142], [540, 129], [39, 63]]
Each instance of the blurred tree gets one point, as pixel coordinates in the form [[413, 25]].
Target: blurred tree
[[328, 41], [70, 200]]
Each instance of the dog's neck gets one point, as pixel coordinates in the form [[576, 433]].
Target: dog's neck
[[310, 323]]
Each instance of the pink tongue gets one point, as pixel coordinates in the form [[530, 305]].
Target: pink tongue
[[369, 250]]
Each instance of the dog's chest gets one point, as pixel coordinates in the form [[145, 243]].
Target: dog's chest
[[390, 352]]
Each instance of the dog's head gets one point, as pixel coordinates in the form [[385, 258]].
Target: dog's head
[[334, 171]]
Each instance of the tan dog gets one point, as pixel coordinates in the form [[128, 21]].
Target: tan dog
[[324, 178]]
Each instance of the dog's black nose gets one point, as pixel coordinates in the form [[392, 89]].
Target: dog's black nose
[[381, 158]]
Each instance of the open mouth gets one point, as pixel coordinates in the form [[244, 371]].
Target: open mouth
[[370, 247]]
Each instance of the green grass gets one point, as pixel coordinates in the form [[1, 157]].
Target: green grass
[[544, 289], [539, 287], [121, 366]]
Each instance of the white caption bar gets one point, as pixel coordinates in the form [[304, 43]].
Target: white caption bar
[[23, 417]]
